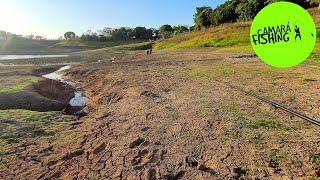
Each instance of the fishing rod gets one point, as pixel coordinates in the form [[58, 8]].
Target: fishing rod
[[313, 121]]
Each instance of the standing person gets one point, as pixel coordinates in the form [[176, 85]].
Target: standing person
[[298, 34]]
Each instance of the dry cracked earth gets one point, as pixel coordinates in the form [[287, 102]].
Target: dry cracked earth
[[169, 116]]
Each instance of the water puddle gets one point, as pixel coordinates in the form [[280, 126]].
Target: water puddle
[[78, 100], [58, 77]]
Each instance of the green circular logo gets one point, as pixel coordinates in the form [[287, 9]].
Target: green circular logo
[[283, 34]]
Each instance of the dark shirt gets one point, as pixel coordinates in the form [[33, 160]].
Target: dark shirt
[[297, 30]]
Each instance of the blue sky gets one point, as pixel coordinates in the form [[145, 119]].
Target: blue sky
[[51, 18]]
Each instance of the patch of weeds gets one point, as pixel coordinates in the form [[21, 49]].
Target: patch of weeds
[[265, 123], [309, 80], [16, 83], [64, 138], [276, 157], [240, 171], [314, 178], [13, 140], [233, 109], [280, 140], [224, 139], [4, 147], [257, 138], [294, 163], [199, 72], [39, 132], [315, 159], [10, 121], [225, 71], [18, 125]]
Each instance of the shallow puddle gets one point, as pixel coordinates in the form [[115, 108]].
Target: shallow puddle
[[58, 77], [78, 100]]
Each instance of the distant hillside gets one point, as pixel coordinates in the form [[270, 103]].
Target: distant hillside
[[86, 45], [25, 46], [232, 35], [219, 36]]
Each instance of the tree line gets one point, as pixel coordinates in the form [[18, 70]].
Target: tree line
[[8, 35], [237, 10], [125, 33]]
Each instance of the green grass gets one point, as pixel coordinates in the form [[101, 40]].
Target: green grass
[[11, 84], [315, 159], [230, 36], [309, 79], [265, 123], [80, 44], [18, 125], [221, 70], [226, 35], [279, 157]]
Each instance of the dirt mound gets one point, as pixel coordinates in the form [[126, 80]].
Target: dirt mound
[[29, 100], [46, 95], [54, 90]]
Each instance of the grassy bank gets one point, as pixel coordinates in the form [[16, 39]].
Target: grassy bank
[[27, 46], [221, 36], [11, 84], [19, 126], [232, 36], [80, 44]]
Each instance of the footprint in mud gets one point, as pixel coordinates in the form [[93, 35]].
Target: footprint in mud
[[177, 176], [141, 158], [145, 129], [100, 148], [146, 156], [149, 94], [136, 143], [151, 174], [149, 116]]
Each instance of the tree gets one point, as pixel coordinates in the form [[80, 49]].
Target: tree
[[119, 34], [166, 30], [300, 2], [31, 36], [37, 37], [202, 17], [180, 29], [106, 32], [192, 28], [69, 35], [249, 9], [155, 33], [225, 13], [148, 34], [139, 32]]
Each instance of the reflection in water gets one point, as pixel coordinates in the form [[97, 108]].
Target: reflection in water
[[58, 77]]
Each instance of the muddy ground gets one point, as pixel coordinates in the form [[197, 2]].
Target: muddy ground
[[168, 116], [23, 87]]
